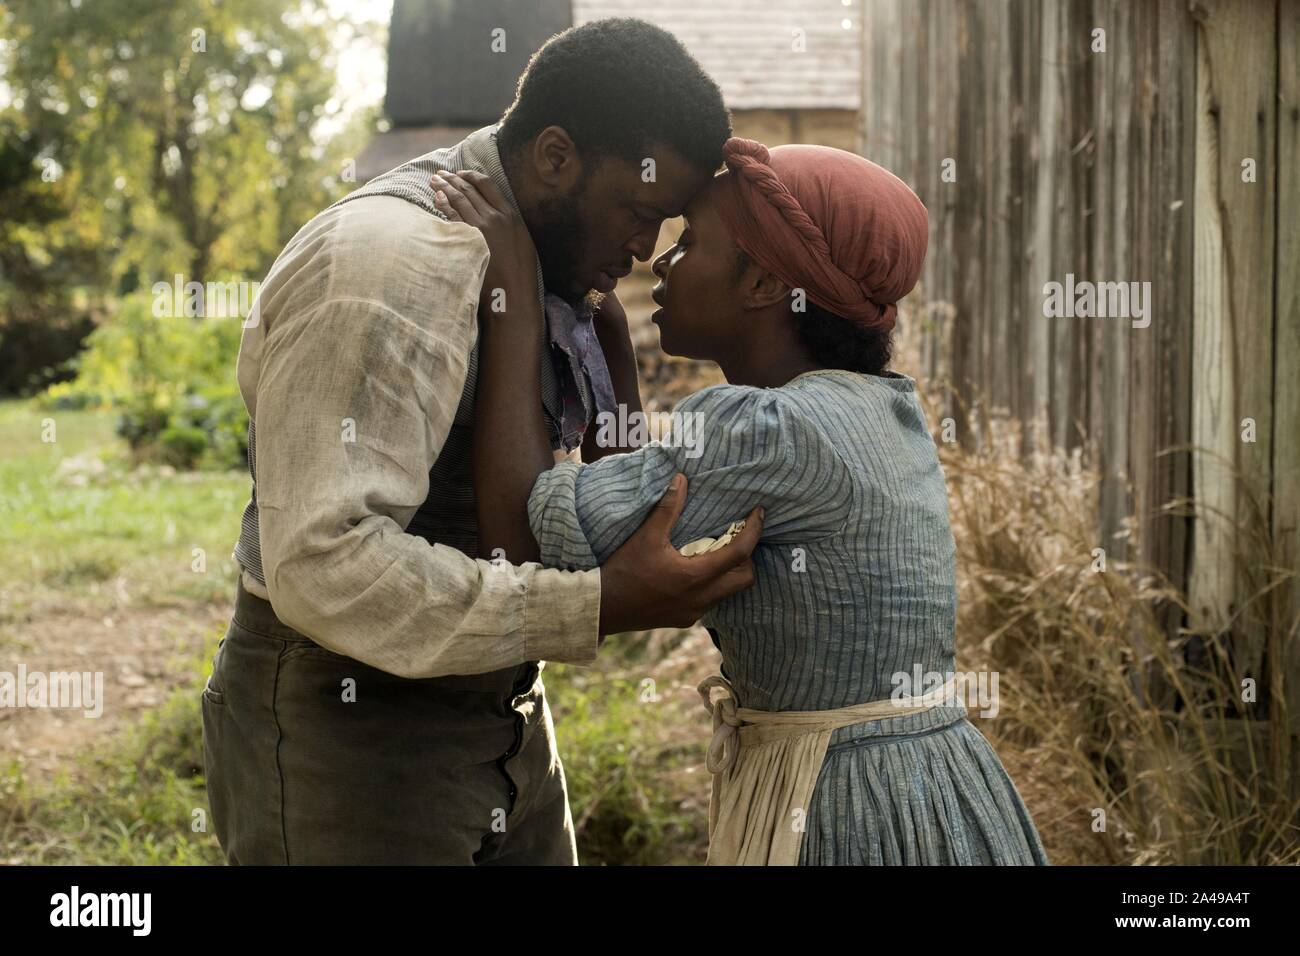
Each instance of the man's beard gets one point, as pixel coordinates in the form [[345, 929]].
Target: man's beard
[[560, 236]]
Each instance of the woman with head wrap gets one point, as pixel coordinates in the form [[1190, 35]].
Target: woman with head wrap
[[840, 734]]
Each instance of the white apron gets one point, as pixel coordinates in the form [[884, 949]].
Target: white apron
[[765, 765]]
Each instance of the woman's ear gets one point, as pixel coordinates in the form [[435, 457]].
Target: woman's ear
[[762, 288]]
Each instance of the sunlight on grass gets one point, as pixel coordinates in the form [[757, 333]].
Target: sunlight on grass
[[79, 526], [633, 762]]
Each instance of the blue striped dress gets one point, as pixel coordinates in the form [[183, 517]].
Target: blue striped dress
[[855, 584]]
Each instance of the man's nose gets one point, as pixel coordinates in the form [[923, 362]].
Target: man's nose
[[642, 245]]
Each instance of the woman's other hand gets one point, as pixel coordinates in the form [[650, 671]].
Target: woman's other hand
[[473, 198]]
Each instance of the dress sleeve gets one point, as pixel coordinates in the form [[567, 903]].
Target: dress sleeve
[[738, 446]]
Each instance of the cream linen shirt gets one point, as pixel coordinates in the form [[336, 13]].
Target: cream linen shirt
[[352, 368]]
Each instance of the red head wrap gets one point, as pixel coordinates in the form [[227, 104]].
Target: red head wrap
[[849, 233]]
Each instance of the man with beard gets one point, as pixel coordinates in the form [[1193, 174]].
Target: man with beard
[[377, 696]]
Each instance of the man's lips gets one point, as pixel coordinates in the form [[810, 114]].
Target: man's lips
[[606, 279]]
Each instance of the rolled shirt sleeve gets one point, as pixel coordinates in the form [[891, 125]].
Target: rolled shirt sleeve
[[353, 378], [738, 446]]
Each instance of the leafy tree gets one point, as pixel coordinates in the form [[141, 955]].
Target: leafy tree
[[144, 138], [42, 258], [188, 128]]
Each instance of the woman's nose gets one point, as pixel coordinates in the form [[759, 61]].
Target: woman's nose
[[660, 266]]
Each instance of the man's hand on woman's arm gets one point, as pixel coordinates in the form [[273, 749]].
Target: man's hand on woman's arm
[[647, 582]]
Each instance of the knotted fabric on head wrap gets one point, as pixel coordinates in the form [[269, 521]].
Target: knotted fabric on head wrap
[[849, 233]]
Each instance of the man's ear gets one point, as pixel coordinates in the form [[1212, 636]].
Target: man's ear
[[761, 288], [555, 160]]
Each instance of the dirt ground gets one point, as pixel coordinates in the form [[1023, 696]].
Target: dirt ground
[[1064, 828], [143, 653], [146, 653]]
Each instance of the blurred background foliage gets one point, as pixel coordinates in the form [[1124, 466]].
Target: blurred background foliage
[[171, 381], [139, 140]]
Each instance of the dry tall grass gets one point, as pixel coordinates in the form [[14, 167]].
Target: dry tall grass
[[1155, 755], [1129, 745]]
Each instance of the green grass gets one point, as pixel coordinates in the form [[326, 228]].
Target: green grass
[[138, 801], [66, 544], [637, 793], [141, 800], [70, 547], [636, 788]]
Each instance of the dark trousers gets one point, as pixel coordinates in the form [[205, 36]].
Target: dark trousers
[[315, 758]]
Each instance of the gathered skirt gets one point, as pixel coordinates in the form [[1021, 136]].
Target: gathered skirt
[[916, 791]]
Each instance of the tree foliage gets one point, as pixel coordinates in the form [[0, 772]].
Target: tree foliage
[[190, 125], [140, 139]]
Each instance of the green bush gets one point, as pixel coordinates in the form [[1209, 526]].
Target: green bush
[[140, 423], [182, 445], [167, 376], [218, 411]]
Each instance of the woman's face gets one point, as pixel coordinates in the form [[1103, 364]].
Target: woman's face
[[699, 314]]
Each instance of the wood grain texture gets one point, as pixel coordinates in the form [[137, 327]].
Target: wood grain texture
[[1236, 121], [1122, 165], [1286, 351]]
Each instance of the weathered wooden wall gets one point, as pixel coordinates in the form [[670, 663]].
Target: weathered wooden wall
[[1122, 165]]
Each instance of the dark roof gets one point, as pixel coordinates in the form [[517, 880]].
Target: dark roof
[[442, 68]]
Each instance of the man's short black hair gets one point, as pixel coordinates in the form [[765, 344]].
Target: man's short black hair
[[832, 340], [619, 87]]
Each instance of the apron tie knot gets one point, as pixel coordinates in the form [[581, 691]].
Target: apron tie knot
[[720, 701]]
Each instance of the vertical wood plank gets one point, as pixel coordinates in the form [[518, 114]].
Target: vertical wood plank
[[881, 117], [1232, 303], [1031, 256], [1286, 352], [997, 208], [1169, 396], [1117, 160], [1043, 242], [1016, 147], [968, 330]]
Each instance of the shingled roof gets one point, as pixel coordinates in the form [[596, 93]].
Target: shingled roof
[[746, 46]]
